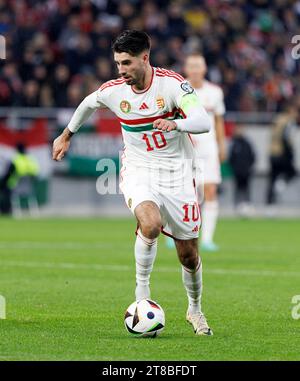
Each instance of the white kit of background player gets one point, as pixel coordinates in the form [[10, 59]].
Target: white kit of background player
[[210, 147]]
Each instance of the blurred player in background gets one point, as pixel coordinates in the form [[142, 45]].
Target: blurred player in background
[[21, 166], [241, 157], [210, 147], [282, 168], [157, 109]]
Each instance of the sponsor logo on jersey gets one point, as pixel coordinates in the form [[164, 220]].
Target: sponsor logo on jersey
[[143, 106], [125, 106], [187, 87], [160, 102], [196, 229]]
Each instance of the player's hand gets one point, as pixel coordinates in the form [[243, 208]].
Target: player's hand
[[61, 145], [164, 125]]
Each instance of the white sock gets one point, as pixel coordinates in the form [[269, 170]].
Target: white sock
[[210, 214], [192, 281], [145, 252]]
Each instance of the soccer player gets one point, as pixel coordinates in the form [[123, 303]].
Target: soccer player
[[157, 110], [210, 147]]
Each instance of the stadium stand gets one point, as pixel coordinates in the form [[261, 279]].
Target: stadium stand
[[59, 51]]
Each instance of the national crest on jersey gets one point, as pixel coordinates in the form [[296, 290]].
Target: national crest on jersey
[[160, 102]]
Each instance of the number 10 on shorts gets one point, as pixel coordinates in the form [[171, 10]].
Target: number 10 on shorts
[[191, 212]]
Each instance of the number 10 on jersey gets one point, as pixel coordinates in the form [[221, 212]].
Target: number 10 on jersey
[[156, 139]]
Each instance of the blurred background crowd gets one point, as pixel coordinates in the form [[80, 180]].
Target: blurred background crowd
[[58, 51]]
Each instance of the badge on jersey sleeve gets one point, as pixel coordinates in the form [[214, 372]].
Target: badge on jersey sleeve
[[160, 102], [125, 106], [187, 87]]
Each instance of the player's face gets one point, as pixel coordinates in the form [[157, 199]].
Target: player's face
[[131, 68], [195, 68]]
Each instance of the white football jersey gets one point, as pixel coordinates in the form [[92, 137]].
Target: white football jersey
[[212, 99], [136, 111]]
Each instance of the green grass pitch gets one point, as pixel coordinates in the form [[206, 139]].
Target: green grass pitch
[[67, 283]]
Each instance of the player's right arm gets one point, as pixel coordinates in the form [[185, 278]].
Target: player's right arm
[[196, 120], [62, 143]]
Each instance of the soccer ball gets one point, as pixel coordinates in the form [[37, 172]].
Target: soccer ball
[[144, 318]]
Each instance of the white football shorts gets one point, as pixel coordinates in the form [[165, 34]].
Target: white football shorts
[[179, 209]]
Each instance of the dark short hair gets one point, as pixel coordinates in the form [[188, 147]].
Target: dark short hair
[[133, 42]]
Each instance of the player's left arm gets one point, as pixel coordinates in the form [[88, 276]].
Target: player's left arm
[[196, 119]]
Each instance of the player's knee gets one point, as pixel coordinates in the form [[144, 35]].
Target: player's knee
[[190, 261], [151, 230]]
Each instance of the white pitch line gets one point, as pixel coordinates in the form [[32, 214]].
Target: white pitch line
[[98, 267], [57, 246], [253, 272], [66, 265], [77, 246]]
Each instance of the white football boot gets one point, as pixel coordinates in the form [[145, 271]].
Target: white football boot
[[199, 324]]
